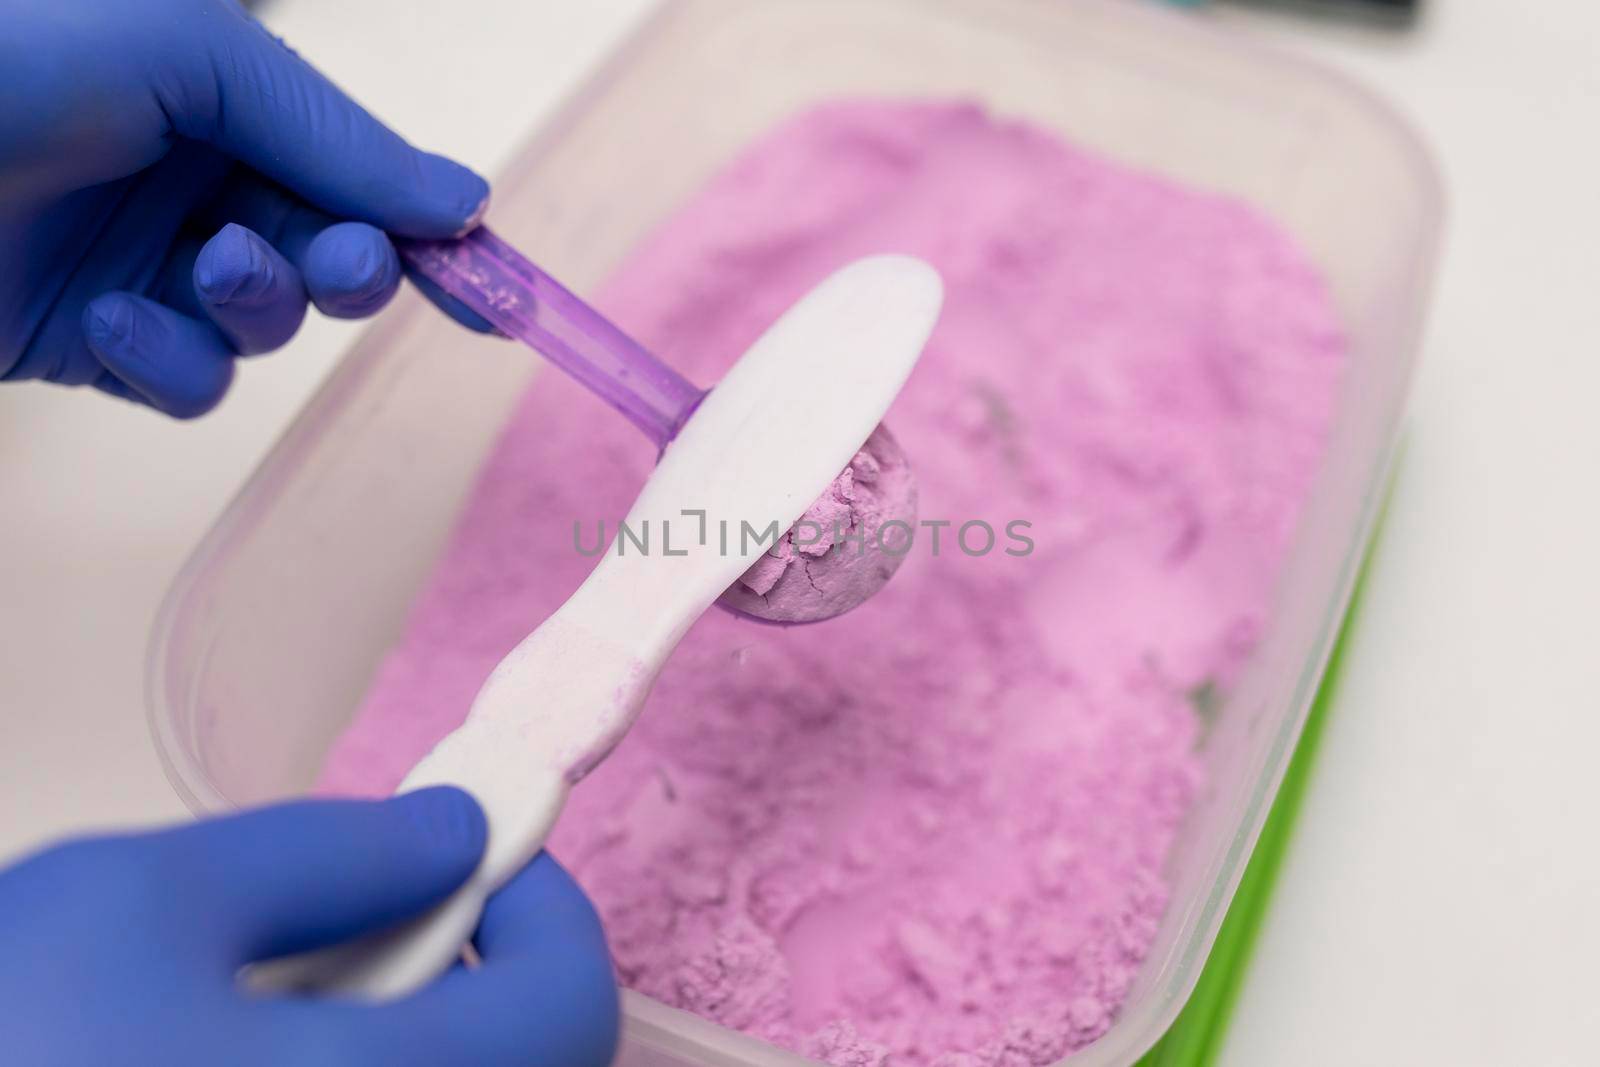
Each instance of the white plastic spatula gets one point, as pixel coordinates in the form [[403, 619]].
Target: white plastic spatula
[[765, 443]]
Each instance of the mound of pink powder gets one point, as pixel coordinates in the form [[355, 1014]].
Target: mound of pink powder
[[929, 833]]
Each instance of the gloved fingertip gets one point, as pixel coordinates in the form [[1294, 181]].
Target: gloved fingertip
[[452, 199], [448, 822], [475, 217], [543, 904], [111, 385], [541, 931], [201, 398], [108, 322], [351, 270], [234, 267], [179, 365]]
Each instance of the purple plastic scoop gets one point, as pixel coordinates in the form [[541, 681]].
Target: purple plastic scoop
[[523, 302], [500, 285]]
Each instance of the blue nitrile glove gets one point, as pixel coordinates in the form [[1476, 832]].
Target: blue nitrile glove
[[175, 183], [125, 950]]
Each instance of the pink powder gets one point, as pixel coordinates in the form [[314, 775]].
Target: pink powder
[[847, 544], [930, 832]]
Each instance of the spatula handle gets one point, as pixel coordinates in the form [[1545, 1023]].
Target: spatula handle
[[551, 710], [401, 960]]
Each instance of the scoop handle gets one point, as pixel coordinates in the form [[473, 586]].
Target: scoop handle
[[499, 284]]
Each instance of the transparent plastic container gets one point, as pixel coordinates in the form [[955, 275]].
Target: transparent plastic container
[[270, 634]]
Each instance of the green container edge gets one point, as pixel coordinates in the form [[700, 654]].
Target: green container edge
[[1196, 1036]]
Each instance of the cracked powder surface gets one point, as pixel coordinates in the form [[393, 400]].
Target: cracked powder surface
[[850, 541], [929, 833]]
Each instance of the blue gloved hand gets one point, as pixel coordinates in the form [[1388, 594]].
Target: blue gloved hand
[[126, 949], [175, 183]]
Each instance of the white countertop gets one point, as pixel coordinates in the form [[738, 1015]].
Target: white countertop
[[1439, 903]]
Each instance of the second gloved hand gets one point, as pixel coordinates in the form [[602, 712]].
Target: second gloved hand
[[126, 949], [176, 185]]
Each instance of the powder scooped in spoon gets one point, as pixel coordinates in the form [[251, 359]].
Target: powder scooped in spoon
[[929, 833], [841, 551]]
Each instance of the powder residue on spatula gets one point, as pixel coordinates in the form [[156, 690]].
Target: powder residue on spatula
[[932, 832]]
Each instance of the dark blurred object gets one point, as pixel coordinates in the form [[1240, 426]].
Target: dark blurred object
[[1391, 12]]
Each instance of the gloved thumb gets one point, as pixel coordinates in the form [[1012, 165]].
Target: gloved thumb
[[302, 875], [254, 99]]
